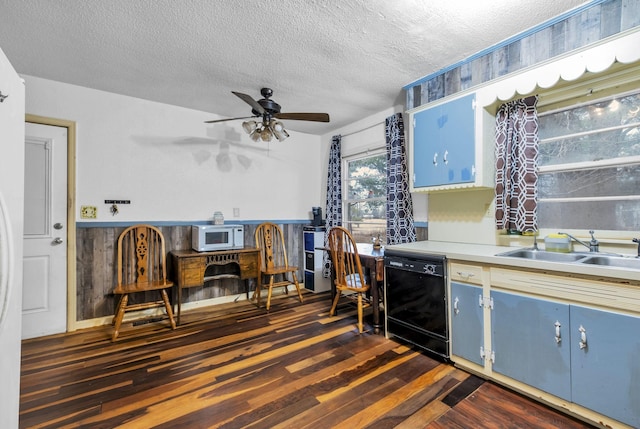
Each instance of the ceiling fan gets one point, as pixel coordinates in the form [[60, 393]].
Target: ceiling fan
[[269, 110]]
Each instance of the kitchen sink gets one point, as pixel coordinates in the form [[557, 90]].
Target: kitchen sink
[[613, 261], [542, 255]]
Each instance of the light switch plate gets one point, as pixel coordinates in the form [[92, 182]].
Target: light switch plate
[[88, 212]]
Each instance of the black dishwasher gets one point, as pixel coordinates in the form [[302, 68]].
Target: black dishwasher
[[416, 300]]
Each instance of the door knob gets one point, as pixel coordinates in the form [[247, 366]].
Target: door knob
[[57, 240]]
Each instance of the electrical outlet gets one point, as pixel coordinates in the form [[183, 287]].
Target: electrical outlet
[[236, 212], [88, 212]]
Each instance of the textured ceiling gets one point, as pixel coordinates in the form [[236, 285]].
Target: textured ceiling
[[349, 58]]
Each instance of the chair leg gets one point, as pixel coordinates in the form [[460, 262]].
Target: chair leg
[[269, 293], [258, 292], [360, 324], [167, 305], [119, 316], [297, 285], [335, 303]]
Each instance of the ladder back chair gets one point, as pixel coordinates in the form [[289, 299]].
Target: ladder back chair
[[349, 275], [274, 264], [141, 268]]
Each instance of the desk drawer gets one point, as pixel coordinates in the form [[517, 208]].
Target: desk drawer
[[192, 272], [248, 265]]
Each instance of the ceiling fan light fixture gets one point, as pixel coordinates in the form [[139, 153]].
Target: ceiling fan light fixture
[[249, 126], [281, 135], [266, 134], [276, 125], [255, 135], [278, 130]]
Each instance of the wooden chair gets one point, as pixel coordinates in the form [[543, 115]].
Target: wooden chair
[[141, 268], [349, 276], [273, 262]]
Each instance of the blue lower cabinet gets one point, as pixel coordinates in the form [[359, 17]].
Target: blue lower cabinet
[[605, 363], [467, 326], [531, 342]]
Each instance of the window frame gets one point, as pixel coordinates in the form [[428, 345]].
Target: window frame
[[620, 81], [346, 159]]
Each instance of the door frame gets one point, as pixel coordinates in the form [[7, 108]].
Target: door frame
[[71, 211]]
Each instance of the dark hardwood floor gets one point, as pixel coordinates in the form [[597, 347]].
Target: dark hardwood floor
[[236, 366]]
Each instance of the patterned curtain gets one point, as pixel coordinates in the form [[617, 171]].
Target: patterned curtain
[[334, 197], [517, 165], [400, 226]]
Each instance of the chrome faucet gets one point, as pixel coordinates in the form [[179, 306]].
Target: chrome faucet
[[535, 241], [593, 245]]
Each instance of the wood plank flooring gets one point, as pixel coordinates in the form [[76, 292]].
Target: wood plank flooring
[[236, 366]]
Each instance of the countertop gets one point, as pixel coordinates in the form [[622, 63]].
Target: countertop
[[486, 254]]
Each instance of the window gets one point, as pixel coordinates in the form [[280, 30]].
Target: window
[[589, 165], [365, 196]]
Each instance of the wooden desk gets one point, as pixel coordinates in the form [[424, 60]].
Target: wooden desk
[[373, 259], [189, 268]]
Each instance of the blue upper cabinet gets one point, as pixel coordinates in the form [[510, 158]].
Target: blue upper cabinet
[[443, 140]]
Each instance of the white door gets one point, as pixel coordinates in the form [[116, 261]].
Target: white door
[[44, 292]]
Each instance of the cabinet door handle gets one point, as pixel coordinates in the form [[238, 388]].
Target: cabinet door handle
[[435, 158], [558, 337], [444, 157], [583, 338], [456, 310], [466, 275]]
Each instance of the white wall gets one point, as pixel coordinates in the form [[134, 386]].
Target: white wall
[[12, 194], [368, 134], [173, 166]]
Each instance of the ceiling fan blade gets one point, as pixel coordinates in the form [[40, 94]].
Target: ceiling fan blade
[[229, 119], [316, 117], [251, 102]]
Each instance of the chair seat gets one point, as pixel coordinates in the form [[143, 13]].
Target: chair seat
[[142, 286], [279, 270], [352, 282]]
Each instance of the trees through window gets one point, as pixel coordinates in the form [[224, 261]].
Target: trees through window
[[365, 196]]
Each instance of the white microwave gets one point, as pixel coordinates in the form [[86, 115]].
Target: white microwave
[[206, 238]]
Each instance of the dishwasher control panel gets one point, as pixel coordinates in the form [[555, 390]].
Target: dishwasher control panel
[[432, 266]]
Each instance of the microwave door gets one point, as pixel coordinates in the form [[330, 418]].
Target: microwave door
[[216, 237]]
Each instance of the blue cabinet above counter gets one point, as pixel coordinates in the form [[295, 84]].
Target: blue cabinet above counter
[[444, 143], [446, 147]]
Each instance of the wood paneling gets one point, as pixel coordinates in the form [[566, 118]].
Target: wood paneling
[[96, 270], [579, 30], [237, 366], [96, 266]]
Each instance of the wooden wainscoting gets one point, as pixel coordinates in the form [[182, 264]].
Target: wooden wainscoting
[[237, 366], [96, 266]]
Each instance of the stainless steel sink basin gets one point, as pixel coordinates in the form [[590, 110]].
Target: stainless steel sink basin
[[613, 261], [541, 255]]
